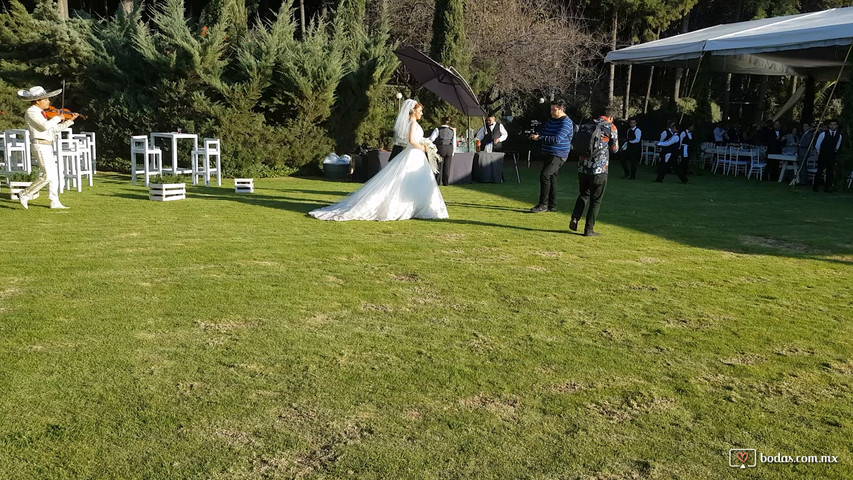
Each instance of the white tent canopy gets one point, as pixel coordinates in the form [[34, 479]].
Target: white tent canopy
[[813, 44]]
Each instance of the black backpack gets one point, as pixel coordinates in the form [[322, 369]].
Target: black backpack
[[588, 140]]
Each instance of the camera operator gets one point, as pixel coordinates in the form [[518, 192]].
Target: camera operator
[[556, 137]]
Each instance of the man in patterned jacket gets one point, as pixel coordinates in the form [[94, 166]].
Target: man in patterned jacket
[[592, 173]]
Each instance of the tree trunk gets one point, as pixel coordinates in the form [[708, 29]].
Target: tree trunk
[[808, 101], [649, 90], [63, 9], [302, 17], [612, 66], [727, 97], [627, 100]]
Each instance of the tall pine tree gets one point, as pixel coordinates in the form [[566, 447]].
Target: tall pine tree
[[448, 47]]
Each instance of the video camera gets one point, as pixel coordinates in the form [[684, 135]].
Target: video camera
[[532, 128]]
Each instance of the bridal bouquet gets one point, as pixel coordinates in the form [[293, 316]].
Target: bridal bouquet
[[432, 156]]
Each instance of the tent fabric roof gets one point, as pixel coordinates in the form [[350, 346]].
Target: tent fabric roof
[[805, 44]]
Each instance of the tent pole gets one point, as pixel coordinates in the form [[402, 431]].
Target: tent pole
[[820, 121], [695, 76]]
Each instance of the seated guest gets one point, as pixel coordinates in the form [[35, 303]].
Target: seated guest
[[732, 134], [492, 135], [804, 148], [791, 142], [719, 134], [444, 138]]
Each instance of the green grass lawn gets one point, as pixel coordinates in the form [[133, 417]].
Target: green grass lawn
[[232, 336]]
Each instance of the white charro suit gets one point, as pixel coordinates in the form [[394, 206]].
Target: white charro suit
[[42, 135]]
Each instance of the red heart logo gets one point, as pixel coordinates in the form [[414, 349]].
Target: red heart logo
[[742, 456]]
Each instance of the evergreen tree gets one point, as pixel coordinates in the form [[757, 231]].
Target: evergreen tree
[[364, 112], [448, 47]]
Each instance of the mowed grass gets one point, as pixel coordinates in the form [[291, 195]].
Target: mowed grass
[[232, 336]]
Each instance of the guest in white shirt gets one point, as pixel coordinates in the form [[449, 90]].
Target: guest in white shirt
[[444, 138], [492, 135]]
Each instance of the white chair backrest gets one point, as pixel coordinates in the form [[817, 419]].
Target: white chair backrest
[[211, 145], [139, 143], [16, 137]]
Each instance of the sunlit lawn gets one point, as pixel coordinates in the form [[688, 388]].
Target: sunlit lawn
[[232, 336]]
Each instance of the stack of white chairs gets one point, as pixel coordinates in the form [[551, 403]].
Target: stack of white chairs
[[86, 166], [152, 159], [206, 153], [16, 150], [69, 157]]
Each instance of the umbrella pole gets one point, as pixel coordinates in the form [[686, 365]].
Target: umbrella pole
[[467, 135]]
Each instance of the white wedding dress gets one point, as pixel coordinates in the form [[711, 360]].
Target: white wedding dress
[[404, 189]]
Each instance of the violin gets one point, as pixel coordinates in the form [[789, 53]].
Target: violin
[[63, 113]]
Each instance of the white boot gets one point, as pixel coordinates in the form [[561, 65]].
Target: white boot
[[57, 205], [24, 199]]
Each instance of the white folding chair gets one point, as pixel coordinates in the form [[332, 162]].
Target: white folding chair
[[736, 160], [647, 152], [209, 150], [152, 159], [755, 164], [16, 150], [721, 159], [93, 151]]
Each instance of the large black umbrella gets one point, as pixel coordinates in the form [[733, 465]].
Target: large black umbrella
[[443, 81]]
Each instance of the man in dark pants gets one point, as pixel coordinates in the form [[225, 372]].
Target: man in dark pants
[[828, 145], [631, 150], [556, 136], [444, 138], [592, 173], [669, 153]]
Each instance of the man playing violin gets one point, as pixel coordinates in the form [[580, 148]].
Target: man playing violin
[[42, 133]]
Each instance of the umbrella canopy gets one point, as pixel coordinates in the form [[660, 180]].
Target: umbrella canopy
[[811, 44], [443, 81]]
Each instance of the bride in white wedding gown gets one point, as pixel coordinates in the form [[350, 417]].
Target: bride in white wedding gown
[[404, 189]]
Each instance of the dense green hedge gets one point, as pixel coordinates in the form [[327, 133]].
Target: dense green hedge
[[279, 99]]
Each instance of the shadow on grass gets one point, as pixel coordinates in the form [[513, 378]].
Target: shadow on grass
[[712, 211]]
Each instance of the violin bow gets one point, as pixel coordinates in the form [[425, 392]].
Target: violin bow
[[63, 93]]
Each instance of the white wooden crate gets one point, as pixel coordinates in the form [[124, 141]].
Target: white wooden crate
[[244, 185], [166, 192]]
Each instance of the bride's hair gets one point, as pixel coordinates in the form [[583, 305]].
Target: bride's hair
[[401, 126]]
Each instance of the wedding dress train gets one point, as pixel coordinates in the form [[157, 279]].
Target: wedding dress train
[[404, 189]]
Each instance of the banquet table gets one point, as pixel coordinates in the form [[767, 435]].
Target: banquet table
[[784, 162], [488, 167], [460, 168]]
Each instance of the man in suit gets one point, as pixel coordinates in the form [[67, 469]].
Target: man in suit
[[632, 149], [828, 145], [492, 135]]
